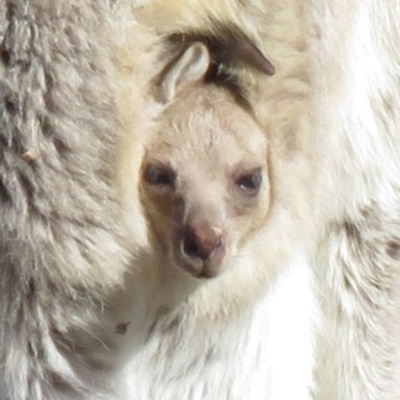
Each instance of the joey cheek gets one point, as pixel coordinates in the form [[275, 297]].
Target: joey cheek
[[163, 212], [249, 214], [245, 206]]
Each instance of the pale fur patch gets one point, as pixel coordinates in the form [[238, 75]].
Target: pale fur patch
[[247, 356], [70, 221]]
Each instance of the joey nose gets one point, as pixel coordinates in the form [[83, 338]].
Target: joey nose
[[202, 241]]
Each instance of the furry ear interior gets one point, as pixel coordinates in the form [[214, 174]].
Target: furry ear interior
[[190, 67]]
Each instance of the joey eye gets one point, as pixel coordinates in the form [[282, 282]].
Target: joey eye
[[159, 175], [250, 181]]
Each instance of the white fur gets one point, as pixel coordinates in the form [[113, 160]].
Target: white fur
[[351, 61], [358, 270], [243, 334], [250, 356], [68, 278]]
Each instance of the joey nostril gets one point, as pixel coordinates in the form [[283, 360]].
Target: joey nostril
[[190, 244], [202, 241]]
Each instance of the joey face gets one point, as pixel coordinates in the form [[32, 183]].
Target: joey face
[[204, 180]]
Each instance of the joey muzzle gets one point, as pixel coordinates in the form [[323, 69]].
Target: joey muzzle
[[203, 248]]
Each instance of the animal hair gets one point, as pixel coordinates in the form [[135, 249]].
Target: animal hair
[[62, 249], [331, 105], [357, 264], [227, 46], [76, 300], [86, 308], [218, 338]]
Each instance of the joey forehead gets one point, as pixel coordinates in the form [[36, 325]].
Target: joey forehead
[[207, 125]]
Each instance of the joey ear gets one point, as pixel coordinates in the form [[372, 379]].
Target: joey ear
[[190, 67], [227, 44]]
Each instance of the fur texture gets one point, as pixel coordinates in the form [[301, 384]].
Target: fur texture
[[62, 249], [86, 308], [230, 337], [337, 63], [358, 259]]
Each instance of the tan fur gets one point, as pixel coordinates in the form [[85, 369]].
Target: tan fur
[[90, 308], [330, 117], [204, 133], [63, 250]]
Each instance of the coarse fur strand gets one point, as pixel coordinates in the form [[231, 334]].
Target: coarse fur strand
[[231, 337], [343, 56], [356, 75], [63, 253], [67, 275]]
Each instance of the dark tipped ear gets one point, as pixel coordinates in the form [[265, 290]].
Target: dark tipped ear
[[233, 44], [228, 44], [190, 67], [248, 52]]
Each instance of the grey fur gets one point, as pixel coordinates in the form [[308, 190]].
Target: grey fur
[[358, 263], [63, 254], [61, 251]]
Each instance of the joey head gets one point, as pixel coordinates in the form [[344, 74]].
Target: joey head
[[205, 183]]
